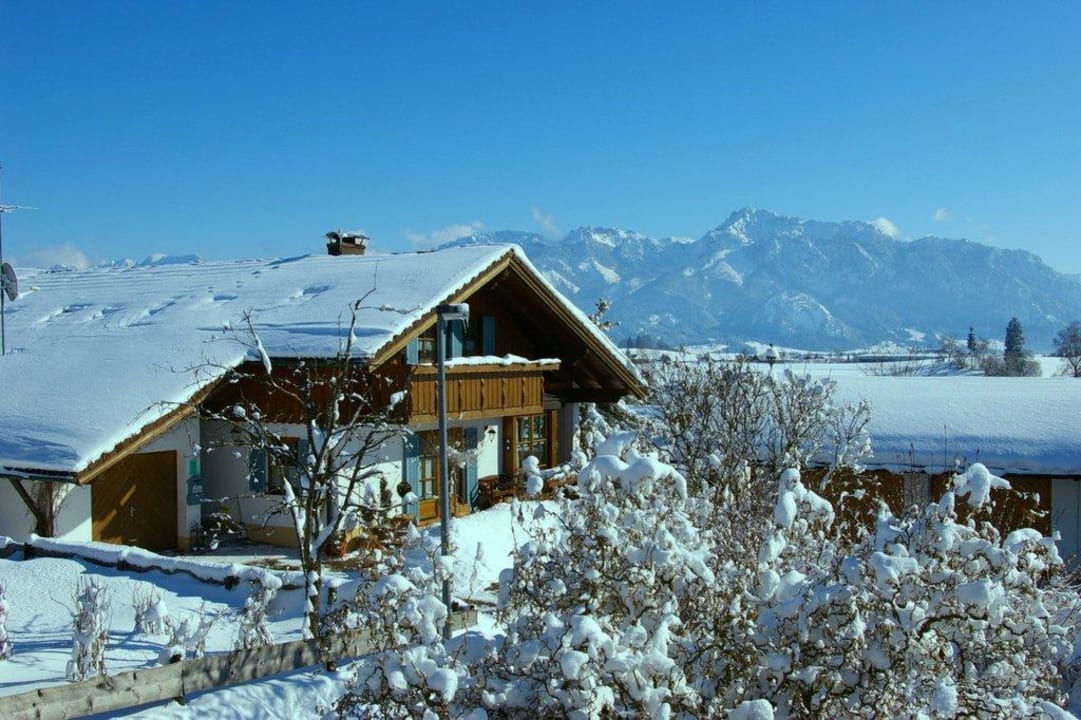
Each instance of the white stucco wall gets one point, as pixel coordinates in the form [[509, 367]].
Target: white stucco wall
[[15, 520], [225, 474], [72, 522]]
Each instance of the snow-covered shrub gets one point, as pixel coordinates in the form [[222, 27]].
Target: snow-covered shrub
[[592, 609], [657, 597], [151, 612], [187, 639], [409, 673], [6, 649], [634, 607], [252, 628], [90, 624], [927, 617]]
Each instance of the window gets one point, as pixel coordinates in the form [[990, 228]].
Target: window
[[426, 347], [274, 469], [428, 473], [531, 438]]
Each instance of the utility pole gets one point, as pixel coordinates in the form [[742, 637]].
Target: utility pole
[[9, 284], [445, 314]]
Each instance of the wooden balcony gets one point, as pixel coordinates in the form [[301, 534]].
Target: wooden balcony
[[474, 391]]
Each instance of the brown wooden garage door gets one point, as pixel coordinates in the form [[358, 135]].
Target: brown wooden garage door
[[134, 502]]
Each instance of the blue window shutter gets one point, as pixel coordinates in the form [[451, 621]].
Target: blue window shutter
[[411, 471], [455, 331], [487, 334], [412, 352], [472, 487], [302, 457], [257, 470]]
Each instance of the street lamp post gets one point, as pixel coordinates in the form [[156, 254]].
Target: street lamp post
[[445, 313]]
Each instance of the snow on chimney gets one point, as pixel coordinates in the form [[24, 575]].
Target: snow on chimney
[[346, 243]]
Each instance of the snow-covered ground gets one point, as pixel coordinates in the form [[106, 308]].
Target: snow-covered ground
[[40, 593]]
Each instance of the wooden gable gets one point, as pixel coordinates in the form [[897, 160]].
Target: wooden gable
[[531, 322]]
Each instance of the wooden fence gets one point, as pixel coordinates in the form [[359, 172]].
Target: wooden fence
[[152, 685]]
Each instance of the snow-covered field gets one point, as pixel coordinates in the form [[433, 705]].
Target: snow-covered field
[[40, 593]]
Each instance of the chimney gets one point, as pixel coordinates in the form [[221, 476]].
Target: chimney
[[346, 243]]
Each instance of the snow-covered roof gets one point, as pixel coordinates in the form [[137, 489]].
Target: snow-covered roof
[[1011, 425], [93, 354]]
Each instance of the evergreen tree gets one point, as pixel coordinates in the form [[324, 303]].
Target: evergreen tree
[[1015, 339], [971, 342], [1016, 360]]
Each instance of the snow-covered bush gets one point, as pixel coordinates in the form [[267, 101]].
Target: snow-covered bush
[[252, 628], [90, 621], [633, 609], [187, 639], [592, 609], [410, 673], [657, 597], [151, 612], [6, 649], [928, 616]]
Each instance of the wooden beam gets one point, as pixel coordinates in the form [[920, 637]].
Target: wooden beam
[[599, 395], [39, 517], [628, 378]]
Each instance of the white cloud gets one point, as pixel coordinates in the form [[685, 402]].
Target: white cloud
[[942, 215], [67, 255], [886, 227], [545, 223], [422, 240]]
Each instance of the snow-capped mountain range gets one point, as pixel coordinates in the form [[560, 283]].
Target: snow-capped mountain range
[[801, 283]]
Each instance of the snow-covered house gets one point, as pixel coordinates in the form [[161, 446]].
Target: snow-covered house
[[1027, 430], [101, 405]]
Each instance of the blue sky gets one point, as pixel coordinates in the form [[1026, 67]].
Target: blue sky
[[245, 129]]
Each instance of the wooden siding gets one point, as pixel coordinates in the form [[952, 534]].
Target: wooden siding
[[473, 392], [1027, 504], [279, 400]]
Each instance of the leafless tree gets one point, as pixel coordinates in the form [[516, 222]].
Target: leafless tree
[[348, 413]]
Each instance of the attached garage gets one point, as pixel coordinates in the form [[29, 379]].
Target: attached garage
[[135, 502]]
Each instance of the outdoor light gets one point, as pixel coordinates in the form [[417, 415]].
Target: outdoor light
[[445, 313]]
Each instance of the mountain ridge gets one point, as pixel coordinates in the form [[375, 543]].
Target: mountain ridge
[[808, 283]]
